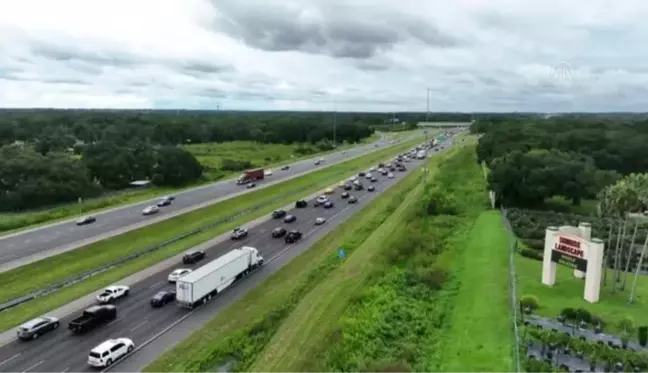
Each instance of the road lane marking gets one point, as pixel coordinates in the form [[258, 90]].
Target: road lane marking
[[157, 284], [139, 325], [5, 361], [34, 366], [114, 321], [66, 369]]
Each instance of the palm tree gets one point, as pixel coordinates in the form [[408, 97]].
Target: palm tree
[[637, 269], [619, 200], [629, 256]]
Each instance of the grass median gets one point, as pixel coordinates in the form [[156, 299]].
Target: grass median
[[210, 155], [39, 274], [242, 330]]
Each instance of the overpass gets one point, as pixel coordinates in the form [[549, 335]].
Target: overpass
[[444, 124]]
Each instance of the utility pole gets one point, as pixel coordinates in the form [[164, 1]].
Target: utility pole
[[425, 131], [334, 126]]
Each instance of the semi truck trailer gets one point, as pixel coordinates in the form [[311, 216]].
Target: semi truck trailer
[[250, 176], [204, 283]]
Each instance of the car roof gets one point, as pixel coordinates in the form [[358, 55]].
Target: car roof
[[105, 345], [31, 323], [98, 307]]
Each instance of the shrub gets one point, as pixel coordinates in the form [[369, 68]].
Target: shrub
[[568, 313], [440, 203], [433, 277], [235, 164], [626, 324], [643, 335], [536, 245], [530, 301], [532, 254], [583, 315], [388, 367]]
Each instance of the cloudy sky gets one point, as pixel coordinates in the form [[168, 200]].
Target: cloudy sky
[[376, 55]]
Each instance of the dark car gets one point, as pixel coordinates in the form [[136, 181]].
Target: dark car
[[251, 185], [33, 329], [384, 172], [352, 200], [359, 187], [328, 204], [301, 204], [293, 236], [402, 169], [345, 195], [371, 188], [278, 214], [86, 220], [348, 186], [290, 218], [392, 169], [361, 174], [278, 232], [93, 317], [162, 298], [284, 168], [381, 165], [164, 202], [193, 257], [373, 180]]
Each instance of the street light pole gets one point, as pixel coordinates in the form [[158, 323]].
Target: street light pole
[[425, 131], [334, 126]]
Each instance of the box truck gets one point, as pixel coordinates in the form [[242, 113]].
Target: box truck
[[250, 176], [202, 284]]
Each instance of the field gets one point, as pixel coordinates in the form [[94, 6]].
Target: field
[[39, 274], [385, 306], [478, 328], [568, 292], [210, 155]]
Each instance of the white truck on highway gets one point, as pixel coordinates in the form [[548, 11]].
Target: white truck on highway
[[421, 154], [199, 286]]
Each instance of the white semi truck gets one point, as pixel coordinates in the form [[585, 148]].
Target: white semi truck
[[201, 285]]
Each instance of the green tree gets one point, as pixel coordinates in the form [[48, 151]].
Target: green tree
[[175, 166]]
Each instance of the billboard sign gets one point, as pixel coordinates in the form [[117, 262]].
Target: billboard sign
[[570, 251]]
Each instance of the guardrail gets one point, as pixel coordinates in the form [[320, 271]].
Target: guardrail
[[83, 276]]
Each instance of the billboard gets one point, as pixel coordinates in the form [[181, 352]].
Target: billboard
[[570, 251]]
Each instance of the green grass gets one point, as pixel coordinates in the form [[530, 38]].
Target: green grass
[[568, 292], [33, 276], [478, 338], [247, 325], [303, 332], [210, 155]]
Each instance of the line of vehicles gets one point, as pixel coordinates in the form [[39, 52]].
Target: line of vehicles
[[148, 210], [197, 287]]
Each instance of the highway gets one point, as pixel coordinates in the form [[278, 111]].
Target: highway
[[60, 351], [35, 244]]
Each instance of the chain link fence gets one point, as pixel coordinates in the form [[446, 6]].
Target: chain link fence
[[105, 267], [513, 291]]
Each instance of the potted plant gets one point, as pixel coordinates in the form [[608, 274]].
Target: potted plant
[[625, 338], [642, 332]]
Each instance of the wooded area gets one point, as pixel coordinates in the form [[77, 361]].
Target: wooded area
[[575, 157], [54, 156]]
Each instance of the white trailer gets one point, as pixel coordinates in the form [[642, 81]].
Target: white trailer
[[421, 154], [201, 285]]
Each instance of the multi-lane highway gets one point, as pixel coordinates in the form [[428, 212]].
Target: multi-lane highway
[[36, 244], [60, 351]]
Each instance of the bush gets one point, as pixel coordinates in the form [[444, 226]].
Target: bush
[[643, 335], [235, 164], [532, 254], [530, 301], [583, 315], [440, 203], [433, 278], [568, 313]]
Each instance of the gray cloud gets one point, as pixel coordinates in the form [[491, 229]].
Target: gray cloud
[[322, 31]]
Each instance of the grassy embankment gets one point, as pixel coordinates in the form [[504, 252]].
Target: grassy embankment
[[385, 305], [36, 275], [568, 292], [210, 155]]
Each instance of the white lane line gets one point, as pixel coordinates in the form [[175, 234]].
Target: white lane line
[[114, 321], [34, 366], [139, 325], [5, 361], [159, 283], [66, 369]]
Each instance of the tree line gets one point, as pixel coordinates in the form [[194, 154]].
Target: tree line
[[575, 157], [54, 156]]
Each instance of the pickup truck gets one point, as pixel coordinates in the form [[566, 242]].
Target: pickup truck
[[93, 317]]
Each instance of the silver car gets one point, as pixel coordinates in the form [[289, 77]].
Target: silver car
[[33, 329]]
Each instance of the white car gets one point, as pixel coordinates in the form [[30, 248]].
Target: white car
[[150, 210], [372, 169], [176, 274], [353, 178], [320, 221], [321, 200], [112, 293], [110, 351], [390, 175], [268, 173], [369, 176], [238, 233], [321, 160]]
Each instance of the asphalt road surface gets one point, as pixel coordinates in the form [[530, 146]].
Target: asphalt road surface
[[60, 351], [39, 243]]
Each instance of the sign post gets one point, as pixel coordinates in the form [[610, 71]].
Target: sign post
[[572, 247]]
